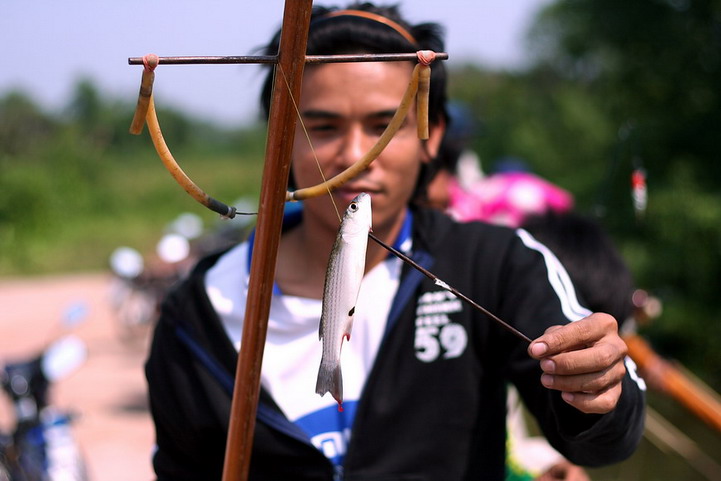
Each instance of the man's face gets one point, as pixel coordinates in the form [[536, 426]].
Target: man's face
[[344, 109]]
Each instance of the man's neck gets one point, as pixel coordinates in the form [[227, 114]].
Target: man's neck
[[305, 250]]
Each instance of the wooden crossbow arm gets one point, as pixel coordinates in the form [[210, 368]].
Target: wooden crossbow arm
[[695, 396], [281, 132], [418, 89]]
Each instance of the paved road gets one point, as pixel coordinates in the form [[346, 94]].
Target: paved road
[[108, 391]]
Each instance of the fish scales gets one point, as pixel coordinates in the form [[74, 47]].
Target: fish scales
[[340, 293]]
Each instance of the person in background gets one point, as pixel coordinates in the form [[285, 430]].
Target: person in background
[[506, 197], [424, 375]]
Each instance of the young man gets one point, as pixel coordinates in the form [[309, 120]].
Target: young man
[[424, 375]]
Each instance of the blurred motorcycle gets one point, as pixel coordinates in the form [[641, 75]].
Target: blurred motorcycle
[[140, 282], [41, 446]]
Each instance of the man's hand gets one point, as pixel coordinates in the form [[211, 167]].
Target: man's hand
[[564, 471], [583, 360]]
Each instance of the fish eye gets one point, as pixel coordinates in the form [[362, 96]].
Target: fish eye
[[353, 206]]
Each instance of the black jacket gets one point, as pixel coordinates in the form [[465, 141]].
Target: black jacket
[[441, 418]]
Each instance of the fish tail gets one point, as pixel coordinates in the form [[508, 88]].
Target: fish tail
[[330, 379]]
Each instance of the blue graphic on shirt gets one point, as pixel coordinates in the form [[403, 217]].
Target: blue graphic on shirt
[[329, 430]]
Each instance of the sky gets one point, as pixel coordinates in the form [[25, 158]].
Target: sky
[[48, 45]]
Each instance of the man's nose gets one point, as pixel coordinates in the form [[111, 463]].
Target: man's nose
[[354, 146]]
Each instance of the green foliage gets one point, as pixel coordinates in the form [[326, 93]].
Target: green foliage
[[75, 186], [656, 62], [22, 124], [553, 125]]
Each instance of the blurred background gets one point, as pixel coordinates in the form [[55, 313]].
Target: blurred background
[[596, 97]]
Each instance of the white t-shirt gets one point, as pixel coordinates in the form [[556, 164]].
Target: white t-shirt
[[293, 350]]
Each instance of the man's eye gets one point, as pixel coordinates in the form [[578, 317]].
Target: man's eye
[[322, 128], [380, 127]]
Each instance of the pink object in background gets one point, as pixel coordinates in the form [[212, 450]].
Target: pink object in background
[[507, 198]]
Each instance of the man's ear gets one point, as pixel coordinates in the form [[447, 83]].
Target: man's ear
[[433, 144]]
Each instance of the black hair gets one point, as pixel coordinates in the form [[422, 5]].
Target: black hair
[[599, 274], [460, 129], [349, 34]]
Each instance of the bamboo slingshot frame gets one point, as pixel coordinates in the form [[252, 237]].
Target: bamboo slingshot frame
[[418, 89], [290, 61]]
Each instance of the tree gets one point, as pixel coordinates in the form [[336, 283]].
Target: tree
[[22, 124]]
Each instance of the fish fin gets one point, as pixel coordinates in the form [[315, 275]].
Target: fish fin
[[330, 379], [348, 330]]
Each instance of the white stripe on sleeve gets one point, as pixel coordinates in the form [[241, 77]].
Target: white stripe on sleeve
[[558, 278]]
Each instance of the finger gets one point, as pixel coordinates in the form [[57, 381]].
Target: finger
[[593, 359], [553, 328], [587, 383], [596, 403], [573, 335], [576, 473], [539, 348]]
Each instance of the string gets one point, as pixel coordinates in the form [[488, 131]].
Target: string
[[310, 142]]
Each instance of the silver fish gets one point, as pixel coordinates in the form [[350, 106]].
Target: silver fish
[[340, 294]]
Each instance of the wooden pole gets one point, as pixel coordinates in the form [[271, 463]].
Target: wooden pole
[[698, 398], [281, 129]]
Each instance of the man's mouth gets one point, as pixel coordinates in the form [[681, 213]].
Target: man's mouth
[[355, 189]]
